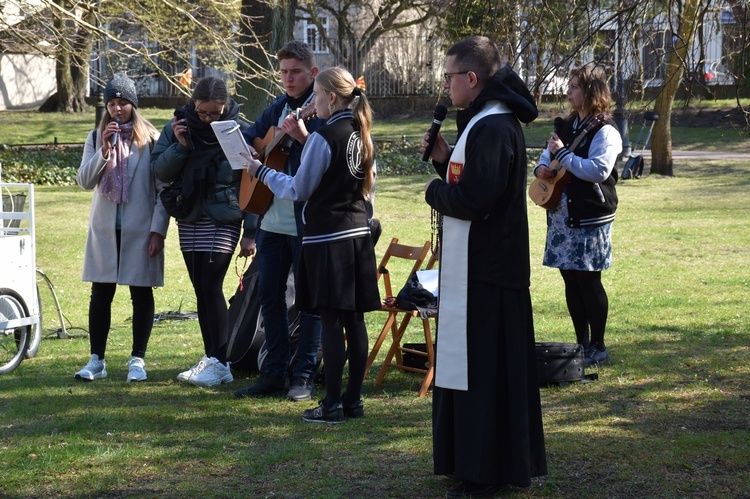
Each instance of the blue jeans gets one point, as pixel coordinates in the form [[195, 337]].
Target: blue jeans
[[277, 255]]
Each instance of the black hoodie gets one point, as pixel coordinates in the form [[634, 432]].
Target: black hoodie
[[491, 191], [505, 86]]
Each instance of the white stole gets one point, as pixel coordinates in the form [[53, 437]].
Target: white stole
[[452, 369]]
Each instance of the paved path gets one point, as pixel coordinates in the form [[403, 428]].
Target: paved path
[[705, 155]]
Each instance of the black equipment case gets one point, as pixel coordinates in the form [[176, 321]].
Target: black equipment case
[[559, 362]]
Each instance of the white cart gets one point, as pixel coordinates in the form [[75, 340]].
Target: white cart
[[19, 301]]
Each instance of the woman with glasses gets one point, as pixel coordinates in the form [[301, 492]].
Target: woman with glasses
[[189, 156]]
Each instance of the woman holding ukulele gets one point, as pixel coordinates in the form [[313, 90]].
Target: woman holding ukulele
[[579, 228]]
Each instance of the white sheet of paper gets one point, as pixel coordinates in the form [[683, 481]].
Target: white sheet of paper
[[429, 280], [232, 142]]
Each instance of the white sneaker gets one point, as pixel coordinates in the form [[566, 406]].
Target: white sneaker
[[215, 373], [185, 375], [94, 369], [137, 369]]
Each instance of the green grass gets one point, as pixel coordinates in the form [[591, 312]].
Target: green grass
[[668, 418], [43, 128]]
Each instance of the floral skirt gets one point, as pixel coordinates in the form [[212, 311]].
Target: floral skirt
[[584, 248]]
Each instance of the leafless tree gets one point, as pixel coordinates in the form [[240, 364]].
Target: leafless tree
[[150, 39], [358, 24]]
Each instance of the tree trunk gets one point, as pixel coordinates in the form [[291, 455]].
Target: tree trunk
[[266, 27], [72, 64], [661, 148]]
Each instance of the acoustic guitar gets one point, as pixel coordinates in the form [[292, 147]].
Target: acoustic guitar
[[547, 192], [273, 151]]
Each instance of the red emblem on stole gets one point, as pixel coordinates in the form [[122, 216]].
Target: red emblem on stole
[[454, 172]]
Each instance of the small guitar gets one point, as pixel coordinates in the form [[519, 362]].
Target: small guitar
[[273, 151], [547, 193]]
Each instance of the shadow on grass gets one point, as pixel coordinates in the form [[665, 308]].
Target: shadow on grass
[[165, 438], [668, 415]]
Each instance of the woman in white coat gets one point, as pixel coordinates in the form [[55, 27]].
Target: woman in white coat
[[127, 225]]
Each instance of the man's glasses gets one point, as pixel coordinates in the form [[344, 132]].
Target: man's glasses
[[448, 76]]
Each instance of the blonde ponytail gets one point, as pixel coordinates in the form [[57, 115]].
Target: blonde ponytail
[[341, 82]]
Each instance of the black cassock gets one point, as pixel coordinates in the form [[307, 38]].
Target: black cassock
[[493, 433]]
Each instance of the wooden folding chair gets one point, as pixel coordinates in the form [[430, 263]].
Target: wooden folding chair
[[418, 254]]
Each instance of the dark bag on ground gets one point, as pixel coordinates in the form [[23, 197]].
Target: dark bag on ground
[[246, 347], [415, 360], [559, 362], [633, 168], [177, 205]]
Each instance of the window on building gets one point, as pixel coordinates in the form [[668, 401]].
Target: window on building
[[654, 60], [314, 38]]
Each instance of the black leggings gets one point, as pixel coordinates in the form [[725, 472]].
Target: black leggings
[[336, 348], [100, 317], [207, 271], [588, 305]]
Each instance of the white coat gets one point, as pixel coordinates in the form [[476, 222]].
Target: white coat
[[141, 215]]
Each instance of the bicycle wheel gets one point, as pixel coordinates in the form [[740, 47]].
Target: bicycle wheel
[[35, 339], [15, 340]]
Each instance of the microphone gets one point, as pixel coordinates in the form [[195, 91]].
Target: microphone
[[179, 116], [437, 121], [558, 125], [113, 138]]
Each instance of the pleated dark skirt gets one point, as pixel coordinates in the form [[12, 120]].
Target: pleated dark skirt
[[493, 432], [340, 275]]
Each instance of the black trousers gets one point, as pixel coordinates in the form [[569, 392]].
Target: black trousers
[[100, 317]]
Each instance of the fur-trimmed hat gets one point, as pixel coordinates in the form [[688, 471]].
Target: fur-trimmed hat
[[120, 86]]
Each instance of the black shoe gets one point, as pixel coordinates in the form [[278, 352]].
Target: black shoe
[[356, 410], [302, 388], [595, 356], [473, 489], [266, 386], [323, 414]]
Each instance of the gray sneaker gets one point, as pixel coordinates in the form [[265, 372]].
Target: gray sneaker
[[136, 369], [302, 388], [94, 369]]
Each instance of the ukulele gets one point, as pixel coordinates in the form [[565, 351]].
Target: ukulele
[[273, 151], [547, 192]]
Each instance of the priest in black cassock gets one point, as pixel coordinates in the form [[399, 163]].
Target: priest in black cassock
[[487, 418]]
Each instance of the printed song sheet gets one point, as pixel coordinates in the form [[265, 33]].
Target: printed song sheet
[[232, 142]]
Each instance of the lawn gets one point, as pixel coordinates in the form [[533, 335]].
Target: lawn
[[41, 128], [668, 418]]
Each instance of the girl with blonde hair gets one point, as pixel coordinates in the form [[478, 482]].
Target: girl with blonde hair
[[127, 225], [337, 274]]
